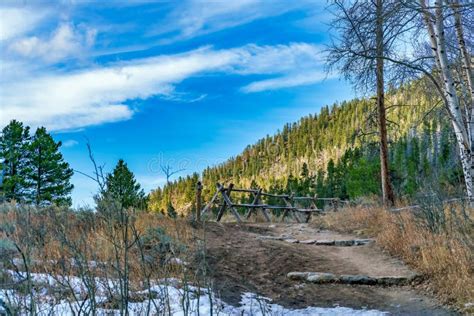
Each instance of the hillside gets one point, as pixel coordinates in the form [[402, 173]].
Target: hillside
[[335, 154]]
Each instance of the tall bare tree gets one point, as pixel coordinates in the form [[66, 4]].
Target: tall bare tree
[[387, 191], [409, 27], [364, 37]]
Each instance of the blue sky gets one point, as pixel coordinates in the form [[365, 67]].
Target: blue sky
[[182, 83]]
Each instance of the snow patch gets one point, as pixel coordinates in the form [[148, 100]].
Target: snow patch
[[169, 296]]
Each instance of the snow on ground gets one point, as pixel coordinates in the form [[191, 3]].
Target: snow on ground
[[170, 297]]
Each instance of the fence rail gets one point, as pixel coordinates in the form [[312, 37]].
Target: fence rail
[[292, 204]]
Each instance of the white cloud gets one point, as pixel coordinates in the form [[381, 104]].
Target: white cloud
[[278, 59], [97, 95], [297, 63], [16, 21], [301, 79], [94, 96], [198, 17], [70, 143], [66, 41], [194, 17]]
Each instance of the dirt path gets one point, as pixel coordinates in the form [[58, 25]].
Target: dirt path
[[242, 261]]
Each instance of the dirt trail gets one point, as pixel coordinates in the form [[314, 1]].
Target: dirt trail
[[242, 261]]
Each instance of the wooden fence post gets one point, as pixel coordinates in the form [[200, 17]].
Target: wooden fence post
[[227, 202], [198, 201]]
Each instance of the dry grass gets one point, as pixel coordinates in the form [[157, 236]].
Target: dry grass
[[443, 257], [58, 241]]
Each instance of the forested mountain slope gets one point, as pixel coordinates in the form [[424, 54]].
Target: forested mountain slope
[[335, 154]]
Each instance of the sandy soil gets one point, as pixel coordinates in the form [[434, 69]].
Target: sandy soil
[[241, 262]]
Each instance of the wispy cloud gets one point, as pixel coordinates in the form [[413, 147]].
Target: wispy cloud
[[256, 59], [70, 143], [194, 18], [35, 41], [293, 65], [67, 40], [16, 21], [94, 96], [98, 95], [288, 81]]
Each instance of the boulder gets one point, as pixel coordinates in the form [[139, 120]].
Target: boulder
[[269, 237], [344, 243], [308, 241], [318, 277], [359, 242], [325, 242], [299, 276], [393, 280], [357, 279]]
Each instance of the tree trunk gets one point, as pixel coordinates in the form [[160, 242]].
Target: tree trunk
[[198, 201], [38, 183], [469, 102], [464, 54], [387, 191], [463, 136]]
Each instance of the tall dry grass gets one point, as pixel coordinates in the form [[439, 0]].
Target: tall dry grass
[[443, 253], [132, 249]]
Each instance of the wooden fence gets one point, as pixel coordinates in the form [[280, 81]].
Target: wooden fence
[[292, 205]]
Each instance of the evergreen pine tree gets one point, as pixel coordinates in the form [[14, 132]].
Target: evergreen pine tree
[[47, 174], [13, 151], [122, 187], [305, 180], [331, 189], [170, 211]]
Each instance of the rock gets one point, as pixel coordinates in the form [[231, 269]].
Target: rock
[[318, 277], [321, 277], [325, 242], [308, 241], [300, 276], [357, 279], [270, 237], [393, 280], [359, 242], [292, 240], [344, 243]]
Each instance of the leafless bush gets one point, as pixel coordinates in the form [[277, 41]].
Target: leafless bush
[[87, 260]]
